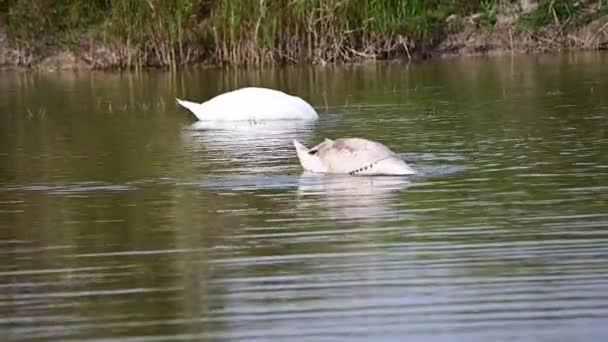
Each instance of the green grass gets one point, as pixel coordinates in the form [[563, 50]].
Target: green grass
[[324, 30], [568, 14], [169, 33], [549, 12], [237, 32]]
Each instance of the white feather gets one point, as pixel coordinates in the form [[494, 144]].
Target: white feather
[[252, 104], [355, 156]]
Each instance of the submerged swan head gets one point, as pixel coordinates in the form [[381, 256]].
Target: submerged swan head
[[252, 104], [354, 156]]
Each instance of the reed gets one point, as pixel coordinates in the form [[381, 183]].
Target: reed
[[266, 32], [246, 32]]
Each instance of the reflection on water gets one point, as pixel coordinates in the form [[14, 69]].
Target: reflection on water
[[349, 198], [84, 187], [245, 147], [237, 148], [121, 220]]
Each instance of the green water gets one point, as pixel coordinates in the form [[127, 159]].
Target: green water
[[121, 221]]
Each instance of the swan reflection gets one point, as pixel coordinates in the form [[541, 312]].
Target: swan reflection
[[351, 197], [247, 146]]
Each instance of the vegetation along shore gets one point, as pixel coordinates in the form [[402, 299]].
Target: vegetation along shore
[[121, 34]]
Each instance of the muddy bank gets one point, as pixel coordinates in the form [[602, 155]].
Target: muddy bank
[[508, 38], [463, 36]]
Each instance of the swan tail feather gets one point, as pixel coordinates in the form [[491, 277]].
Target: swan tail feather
[[300, 148], [193, 107]]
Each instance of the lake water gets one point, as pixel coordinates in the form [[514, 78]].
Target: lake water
[[120, 220]]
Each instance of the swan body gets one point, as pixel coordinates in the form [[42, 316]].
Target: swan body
[[354, 156], [252, 104]]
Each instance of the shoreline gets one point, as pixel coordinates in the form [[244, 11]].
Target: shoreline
[[471, 38]]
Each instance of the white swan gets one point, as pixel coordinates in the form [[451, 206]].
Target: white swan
[[355, 156], [252, 104]]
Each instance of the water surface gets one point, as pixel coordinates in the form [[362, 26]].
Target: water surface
[[122, 220]]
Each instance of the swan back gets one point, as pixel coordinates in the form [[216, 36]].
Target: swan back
[[252, 104], [355, 156]]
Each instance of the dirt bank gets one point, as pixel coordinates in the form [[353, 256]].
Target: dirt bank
[[463, 36], [505, 37]]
